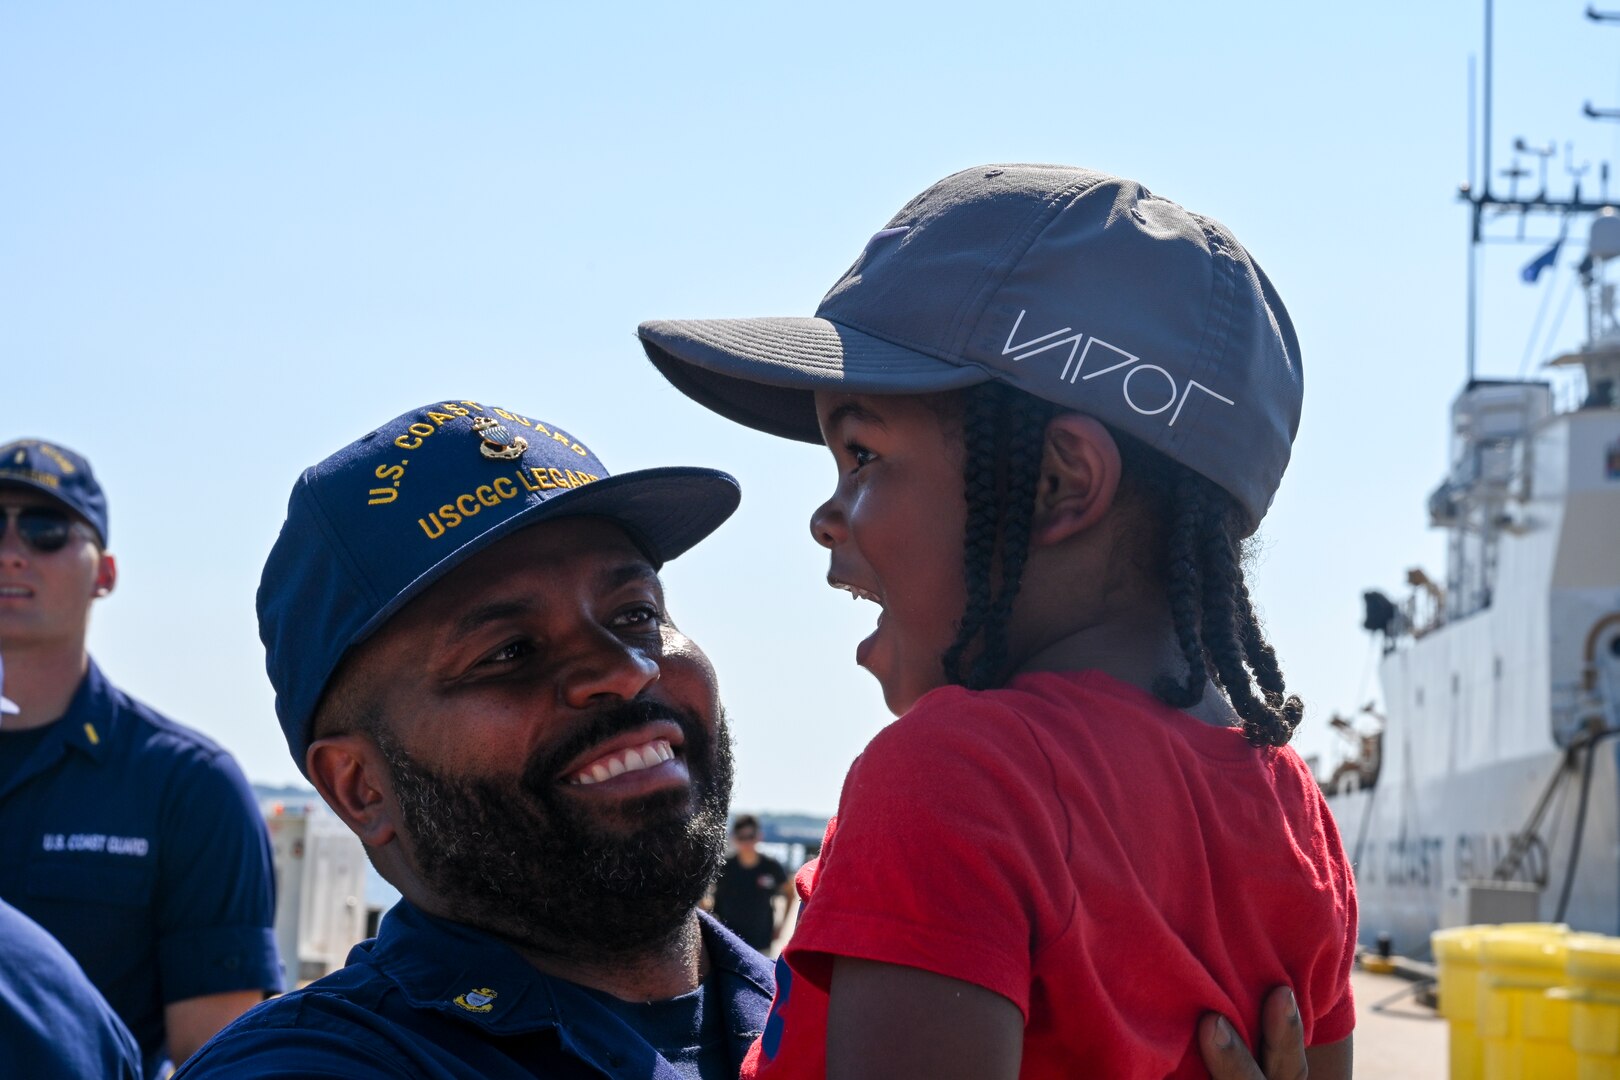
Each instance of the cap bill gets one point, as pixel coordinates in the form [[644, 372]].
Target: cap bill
[[763, 373]]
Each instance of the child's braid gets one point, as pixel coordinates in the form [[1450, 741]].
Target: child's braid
[[1183, 585], [1025, 441], [980, 420], [1229, 625], [1287, 709]]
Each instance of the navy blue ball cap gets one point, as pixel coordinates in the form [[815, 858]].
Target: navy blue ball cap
[[378, 522], [58, 472], [1084, 289]]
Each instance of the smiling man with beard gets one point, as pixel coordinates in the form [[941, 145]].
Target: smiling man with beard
[[474, 666]]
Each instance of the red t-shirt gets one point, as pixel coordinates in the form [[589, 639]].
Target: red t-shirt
[[1111, 865]]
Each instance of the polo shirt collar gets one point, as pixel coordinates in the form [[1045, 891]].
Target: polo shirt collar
[[92, 718], [461, 972], [742, 966], [465, 973], [729, 953]]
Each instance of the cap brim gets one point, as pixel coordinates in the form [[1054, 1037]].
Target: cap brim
[[764, 373], [11, 480], [666, 511]]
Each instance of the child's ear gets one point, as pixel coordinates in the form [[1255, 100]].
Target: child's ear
[[1080, 470]]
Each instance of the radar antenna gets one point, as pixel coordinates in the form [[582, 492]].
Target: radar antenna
[[1485, 202]]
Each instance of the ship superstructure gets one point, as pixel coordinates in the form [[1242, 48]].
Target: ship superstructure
[[1495, 786]]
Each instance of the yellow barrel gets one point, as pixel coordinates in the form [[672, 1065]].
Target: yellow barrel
[[1592, 971], [1525, 1032], [1456, 957]]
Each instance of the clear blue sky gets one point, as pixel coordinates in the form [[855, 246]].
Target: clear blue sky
[[235, 236]]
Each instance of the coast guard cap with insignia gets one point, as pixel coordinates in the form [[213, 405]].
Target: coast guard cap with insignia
[[58, 472], [378, 522]]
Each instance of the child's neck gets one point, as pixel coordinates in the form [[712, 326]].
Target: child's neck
[[1133, 650], [1137, 649]]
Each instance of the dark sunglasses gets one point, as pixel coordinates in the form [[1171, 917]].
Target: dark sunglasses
[[42, 529]]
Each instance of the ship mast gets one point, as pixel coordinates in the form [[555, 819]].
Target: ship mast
[[1486, 198], [1493, 419]]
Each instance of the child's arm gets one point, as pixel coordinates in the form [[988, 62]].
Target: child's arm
[[889, 1022]]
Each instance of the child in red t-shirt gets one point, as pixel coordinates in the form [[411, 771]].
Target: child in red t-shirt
[[1058, 405]]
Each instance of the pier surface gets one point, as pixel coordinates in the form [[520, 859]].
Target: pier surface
[[1403, 1040]]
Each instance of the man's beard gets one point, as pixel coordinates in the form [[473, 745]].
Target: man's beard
[[517, 857]]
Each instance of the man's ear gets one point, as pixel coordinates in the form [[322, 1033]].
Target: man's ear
[[350, 774], [1080, 469], [106, 574]]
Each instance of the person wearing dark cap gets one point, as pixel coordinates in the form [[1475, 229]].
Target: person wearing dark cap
[[475, 666], [1057, 404], [134, 841]]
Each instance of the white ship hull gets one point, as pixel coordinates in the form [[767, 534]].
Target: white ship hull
[[1413, 876], [1484, 706]]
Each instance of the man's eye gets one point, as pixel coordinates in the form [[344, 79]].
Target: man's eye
[[509, 653], [639, 616], [859, 454]]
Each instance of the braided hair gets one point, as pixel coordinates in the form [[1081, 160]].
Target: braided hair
[[1195, 549]]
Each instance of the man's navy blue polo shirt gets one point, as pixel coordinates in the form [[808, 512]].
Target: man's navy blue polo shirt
[[137, 843], [429, 999], [52, 1021]]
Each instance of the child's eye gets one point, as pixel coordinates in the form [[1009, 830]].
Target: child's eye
[[859, 454]]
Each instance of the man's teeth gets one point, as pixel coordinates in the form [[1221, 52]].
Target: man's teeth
[[633, 759], [13, 590]]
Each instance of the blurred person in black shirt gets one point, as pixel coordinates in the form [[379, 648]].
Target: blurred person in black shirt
[[745, 895]]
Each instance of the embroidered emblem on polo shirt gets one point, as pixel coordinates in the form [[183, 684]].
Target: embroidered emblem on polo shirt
[[478, 1001], [497, 442]]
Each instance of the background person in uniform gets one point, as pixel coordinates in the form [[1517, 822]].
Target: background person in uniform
[[746, 893], [53, 1023], [134, 841]]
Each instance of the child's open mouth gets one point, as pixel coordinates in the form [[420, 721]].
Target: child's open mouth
[[855, 591], [863, 651]]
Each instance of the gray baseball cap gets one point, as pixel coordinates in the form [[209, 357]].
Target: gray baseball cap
[[1084, 289]]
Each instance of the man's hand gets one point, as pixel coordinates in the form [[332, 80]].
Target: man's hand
[[1282, 1043]]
